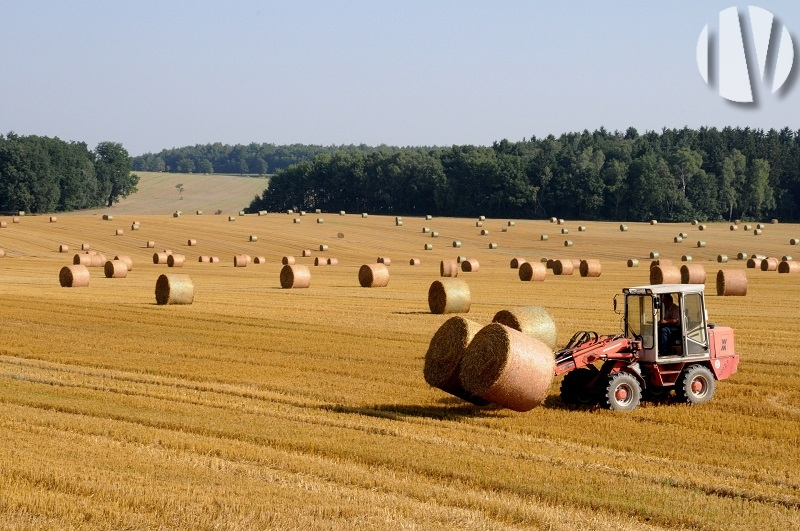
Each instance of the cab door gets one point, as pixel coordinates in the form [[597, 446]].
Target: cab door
[[693, 324]]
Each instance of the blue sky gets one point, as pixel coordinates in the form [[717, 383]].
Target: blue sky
[[156, 75]]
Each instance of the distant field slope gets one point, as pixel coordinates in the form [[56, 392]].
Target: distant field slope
[[157, 193]]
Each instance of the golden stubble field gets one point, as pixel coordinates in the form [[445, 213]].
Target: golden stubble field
[[263, 408]]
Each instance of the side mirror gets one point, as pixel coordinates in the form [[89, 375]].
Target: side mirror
[[657, 303], [615, 303]]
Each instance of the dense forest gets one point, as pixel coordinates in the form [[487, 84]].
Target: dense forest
[[675, 175], [41, 174]]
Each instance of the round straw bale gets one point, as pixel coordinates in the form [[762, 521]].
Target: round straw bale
[[774, 221], [428, 246], [448, 268], [543, 237], [306, 253], [414, 262], [426, 230], [511, 223], [653, 222], [333, 261], [683, 235], [553, 220], [302, 212], [549, 262], [461, 259], [97, 260], [686, 258], [296, 220], [175, 260], [191, 243], [398, 223], [134, 226], [694, 222], [757, 232], [633, 262], [320, 261], [654, 255], [576, 263], [85, 247], [535, 321], [295, 276], [241, 260], [384, 260], [665, 274], [342, 213], [260, 260], [786, 258], [677, 239], [563, 267], [253, 238], [701, 243], [516, 262], [503, 229], [769, 264], [204, 259], [150, 244], [373, 276], [701, 227], [456, 243], [722, 258], [82, 259], [3, 224], [734, 227], [2, 253], [758, 256], [760, 226], [479, 223], [231, 218], [215, 259], [398, 218], [176, 214], [53, 219], [126, 260], [287, 260], [63, 248], [428, 217], [200, 213], [742, 256], [484, 232], [492, 245], [470, 266], [623, 228], [752, 263], [15, 219], [748, 227], [532, 271], [693, 274], [115, 269], [789, 266], [590, 268], [581, 228], [74, 276], [560, 221], [794, 241], [434, 234], [564, 231], [317, 211], [323, 247], [160, 258], [445, 352], [732, 283], [364, 215], [340, 234], [174, 289], [507, 367], [449, 295]]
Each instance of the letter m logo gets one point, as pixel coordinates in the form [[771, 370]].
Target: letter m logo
[[724, 344]]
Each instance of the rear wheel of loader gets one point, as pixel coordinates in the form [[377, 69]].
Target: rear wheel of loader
[[575, 387], [696, 385], [623, 392]]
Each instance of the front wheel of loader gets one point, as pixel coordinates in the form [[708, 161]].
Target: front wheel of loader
[[575, 389], [696, 385], [623, 392]]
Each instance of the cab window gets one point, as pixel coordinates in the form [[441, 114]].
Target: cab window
[[693, 313]]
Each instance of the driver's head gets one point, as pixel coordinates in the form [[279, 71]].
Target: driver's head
[[667, 300]]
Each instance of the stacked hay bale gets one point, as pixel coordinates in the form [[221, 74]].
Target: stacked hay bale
[[535, 321]]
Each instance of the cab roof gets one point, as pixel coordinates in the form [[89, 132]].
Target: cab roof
[[658, 289]]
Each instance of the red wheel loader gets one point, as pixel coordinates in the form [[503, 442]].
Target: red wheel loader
[[618, 371]]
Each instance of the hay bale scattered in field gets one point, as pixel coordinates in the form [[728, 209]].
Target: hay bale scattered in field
[[134, 226], [106, 217], [563, 267], [683, 235], [295, 276], [769, 264], [653, 222], [333, 261], [414, 262], [677, 239], [532, 272], [757, 232], [535, 321], [701, 227], [398, 218], [176, 214], [560, 221], [426, 230], [63, 248], [191, 243], [373, 276], [794, 241], [567, 243], [3, 224], [306, 253], [260, 260], [633, 262], [241, 260], [774, 221], [654, 255], [74, 276], [98, 260], [204, 259], [448, 268], [693, 274], [507, 367], [115, 269], [511, 223], [385, 260], [320, 261], [428, 246], [150, 244], [231, 218], [200, 213], [701, 243], [742, 256], [590, 268], [320, 220], [722, 258], [434, 234], [516, 262], [732, 283], [456, 243], [340, 234], [364, 215], [748, 227], [287, 260], [694, 222], [753, 263], [492, 245], [323, 247], [760, 226], [160, 258], [789, 266], [443, 358], [342, 213], [623, 228], [398, 223], [53, 219], [449, 295], [479, 223], [543, 237], [175, 260], [470, 266], [85, 247], [481, 218], [253, 238], [318, 211], [549, 262], [484, 232], [174, 289], [786, 258], [460, 259], [734, 227], [686, 258], [428, 217], [215, 259], [15, 219], [302, 213], [553, 220], [296, 220], [565, 231], [82, 259], [758, 256], [665, 274], [581, 228], [125, 260]]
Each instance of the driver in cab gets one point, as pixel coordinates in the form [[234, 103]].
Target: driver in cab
[[669, 323]]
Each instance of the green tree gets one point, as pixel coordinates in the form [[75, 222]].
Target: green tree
[[758, 195], [732, 179], [113, 169], [685, 164]]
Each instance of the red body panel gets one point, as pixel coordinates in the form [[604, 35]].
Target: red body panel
[[724, 361]]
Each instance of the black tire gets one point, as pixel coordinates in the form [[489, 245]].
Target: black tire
[[575, 388], [696, 385], [623, 392]]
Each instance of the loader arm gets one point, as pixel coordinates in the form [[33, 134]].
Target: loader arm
[[585, 348]]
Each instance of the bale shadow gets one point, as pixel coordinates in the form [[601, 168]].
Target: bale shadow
[[451, 409], [413, 313]]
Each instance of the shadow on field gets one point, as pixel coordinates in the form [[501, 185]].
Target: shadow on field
[[450, 410], [413, 313]]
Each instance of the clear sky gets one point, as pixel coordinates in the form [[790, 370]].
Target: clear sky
[[162, 74]]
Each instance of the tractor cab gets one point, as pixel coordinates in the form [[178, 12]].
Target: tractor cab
[[650, 316]]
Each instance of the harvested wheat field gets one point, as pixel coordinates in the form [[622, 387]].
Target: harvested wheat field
[[257, 407]]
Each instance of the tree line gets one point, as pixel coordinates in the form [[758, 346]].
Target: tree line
[[40, 174], [674, 175]]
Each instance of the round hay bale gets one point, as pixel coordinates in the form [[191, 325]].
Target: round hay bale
[[563, 267], [549, 262], [590, 268], [318, 211], [428, 217], [373, 276], [398, 218], [428, 246], [15, 219], [448, 268], [434, 234], [63, 248], [85, 247], [160, 258], [623, 228], [757, 232], [581, 228], [191, 243], [204, 259], [693, 274], [342, 213], [479, 223], [231, 218], [106, 217], [734, 227], [414, 262], [721, 258], [150, 244], [789, 266], [253, 238], [74, 276], [426, 230], [82, 259], [732, 283], [535, 321], [532, 271], [701, 243], [174, 289], [565, 231], [126, 260], [511, 223], [470, 266], [774, 221], [752, 263], [449, 295], [653, 222], [633, 262], [295, 276], [481, 218], [115, 269], [758, 256], [134, 226], [296, 220], [200, 213], [686, 258], [683, 235], [543, 237], [748, 227], [260, 260], [3, 224], [516, 262], [320, 261], [492, 245], [323, 247], [290, 211], [287, 260], [654, 255], [241, 260], [484, 232], [560, 221], [364, 215], [333, 261], [759, 226], [507, 367], [53, 219], [769, 264], [306, 253], [398, 223], [98, 260], [445, 353], [701, 227], [456, 244], [567, 243], [786, 258], [176, 214], [340, 234], [215, 259], [175, 260], [742, 256], [302, 212], [665, 274], [553, 220], [677, 239], [385, 260], [694, 222], [794, 241]]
